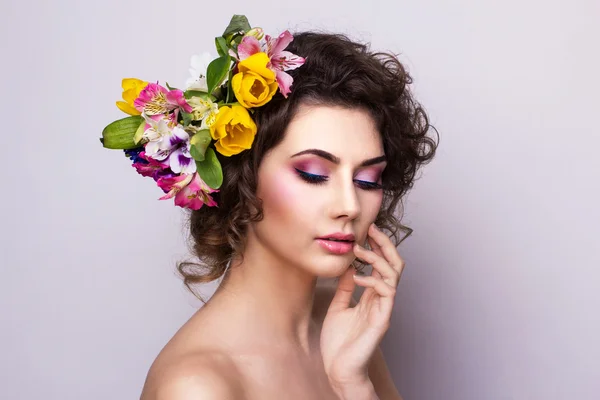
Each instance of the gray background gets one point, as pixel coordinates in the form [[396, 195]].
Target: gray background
[[499, 297]]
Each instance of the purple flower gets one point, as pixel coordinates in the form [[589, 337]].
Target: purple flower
[[150, 167], [169, 142]]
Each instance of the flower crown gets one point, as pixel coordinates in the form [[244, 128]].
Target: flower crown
[[170, 133]]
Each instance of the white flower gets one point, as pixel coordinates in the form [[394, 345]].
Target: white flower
[[180, 161], [163, 137], [203, 110], [198, 67]]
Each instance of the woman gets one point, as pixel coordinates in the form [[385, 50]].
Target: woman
[[332, 157]]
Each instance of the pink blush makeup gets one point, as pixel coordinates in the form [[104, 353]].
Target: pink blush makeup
[[286, 196]]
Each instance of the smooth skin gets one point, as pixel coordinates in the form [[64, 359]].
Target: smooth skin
[[350, 335], [277, 327]]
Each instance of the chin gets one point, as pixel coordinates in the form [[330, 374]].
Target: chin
[[331, 266]]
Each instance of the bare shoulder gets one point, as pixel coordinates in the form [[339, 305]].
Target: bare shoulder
[[203, 375], [378, 369]]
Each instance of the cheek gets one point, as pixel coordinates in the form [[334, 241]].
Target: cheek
[[285, 198], [371, 204]]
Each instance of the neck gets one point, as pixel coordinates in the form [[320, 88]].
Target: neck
[[271, 297]]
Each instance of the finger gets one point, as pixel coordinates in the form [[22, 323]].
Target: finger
[[376, 274], [382, 288], [389, 251], [377, 251], [389, 274], [386, 292], [343, 294], [374, 246]]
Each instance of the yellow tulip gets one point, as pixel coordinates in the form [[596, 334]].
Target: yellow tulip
[[131, 90], [233, 130], [255, 84]]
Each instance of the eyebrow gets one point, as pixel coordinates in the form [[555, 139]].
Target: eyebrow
[[336, 160]]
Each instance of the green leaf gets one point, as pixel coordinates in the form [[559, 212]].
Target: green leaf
[[238, 23], [139, 133], [187, 118], [188, 94], [230, 95], [221, 44], [120, 134], [216, 72], [210, 169], [236, 41], [169, 87], [199, 143]]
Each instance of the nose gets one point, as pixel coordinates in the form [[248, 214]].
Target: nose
[[345, 203]]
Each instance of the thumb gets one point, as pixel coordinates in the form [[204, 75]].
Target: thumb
[[343, 295]]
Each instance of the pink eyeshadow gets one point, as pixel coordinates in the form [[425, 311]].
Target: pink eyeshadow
[[372, 175], [311, 167]]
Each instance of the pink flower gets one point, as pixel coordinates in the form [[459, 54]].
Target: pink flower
[[155, 100], [249, 46], [190, 191], [280, 60], [173, 184], [151, 167]]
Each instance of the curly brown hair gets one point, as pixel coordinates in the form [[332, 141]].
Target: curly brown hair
[[338, 72]]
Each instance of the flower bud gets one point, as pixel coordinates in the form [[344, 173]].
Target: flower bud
[[258, 33]]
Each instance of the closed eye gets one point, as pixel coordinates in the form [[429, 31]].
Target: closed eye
[[368, 185], [311, 178], [321, 179]]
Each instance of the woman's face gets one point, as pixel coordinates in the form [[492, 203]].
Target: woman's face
[[323, 179]]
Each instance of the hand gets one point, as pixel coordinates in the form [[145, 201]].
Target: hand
[[350, 335]]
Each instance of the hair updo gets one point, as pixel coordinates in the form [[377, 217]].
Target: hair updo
[[337, 72]]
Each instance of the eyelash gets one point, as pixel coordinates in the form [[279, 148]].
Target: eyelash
[[320, 179]]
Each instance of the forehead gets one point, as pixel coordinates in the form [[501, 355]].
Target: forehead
[[349, 133]]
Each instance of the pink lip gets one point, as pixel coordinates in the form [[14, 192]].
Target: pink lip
[[337, 247], [339, 236]]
